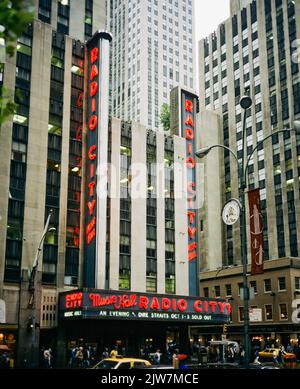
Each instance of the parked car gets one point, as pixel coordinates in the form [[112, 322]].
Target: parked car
[[274, 353], [122, 363]]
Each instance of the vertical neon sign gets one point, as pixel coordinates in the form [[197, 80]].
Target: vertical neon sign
[[188, 128], [96, 153]]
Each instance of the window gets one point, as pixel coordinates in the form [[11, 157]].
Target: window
[[217, 291], [268, 285], [228, 290], [240, 286], [241, 313], [19, 151], [253, 285], [269, 312], [283, 314], [281, 283], [206, 292], [297, 283], [170, 284]]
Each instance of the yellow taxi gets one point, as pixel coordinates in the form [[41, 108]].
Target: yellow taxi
[[274, 353], [122, 363]]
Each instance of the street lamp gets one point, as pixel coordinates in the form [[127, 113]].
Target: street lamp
[[245, 104], [32, 286]]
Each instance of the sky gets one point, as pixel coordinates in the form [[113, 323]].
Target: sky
[[209, 14]]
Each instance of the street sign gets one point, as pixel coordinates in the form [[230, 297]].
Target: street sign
[[251, 293], [255, 314], [2, 312]]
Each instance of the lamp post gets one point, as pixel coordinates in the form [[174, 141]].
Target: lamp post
[[32, 287], [245, 104]]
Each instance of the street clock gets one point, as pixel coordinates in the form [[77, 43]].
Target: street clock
[[231, 212]]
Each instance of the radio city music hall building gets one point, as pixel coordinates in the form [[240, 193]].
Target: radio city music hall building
[[122, 266]]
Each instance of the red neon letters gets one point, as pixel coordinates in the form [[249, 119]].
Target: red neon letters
[[191, 185], [153, 303], [92, 121], [74, 300]]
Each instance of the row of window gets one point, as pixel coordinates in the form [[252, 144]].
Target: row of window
[[268, 312], [13, 252], [281, 286]]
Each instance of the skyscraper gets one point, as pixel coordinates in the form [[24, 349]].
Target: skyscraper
[[152, 52], [256, 50]]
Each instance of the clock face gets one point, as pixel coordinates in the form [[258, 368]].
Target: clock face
[[231, 212]]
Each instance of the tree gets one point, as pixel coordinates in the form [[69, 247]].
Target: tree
[[15, 15], [165, 116]]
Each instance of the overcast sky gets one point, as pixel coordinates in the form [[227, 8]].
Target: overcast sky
[[209, 14]]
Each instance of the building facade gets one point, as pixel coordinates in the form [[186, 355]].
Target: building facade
[[43, 171], [153, 51], [274, 303], [253, 52]]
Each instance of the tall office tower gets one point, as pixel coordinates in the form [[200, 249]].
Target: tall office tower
[[77, 18], [41, 153], [256, 50], [238, 5], [152, 52]]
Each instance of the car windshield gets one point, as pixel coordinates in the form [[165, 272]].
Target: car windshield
[[106, 365]]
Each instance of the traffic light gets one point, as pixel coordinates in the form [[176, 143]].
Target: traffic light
[[224, 328]]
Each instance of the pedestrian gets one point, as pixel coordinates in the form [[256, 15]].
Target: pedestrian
[[105, 353], [157, 357], [281, 354], [73, 356], [289, 348], [47, 358], [4, 361], [256, 359], [241, 355], [79, 357], [175, 359], [146, 352], [86, 357], [114, 352]]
